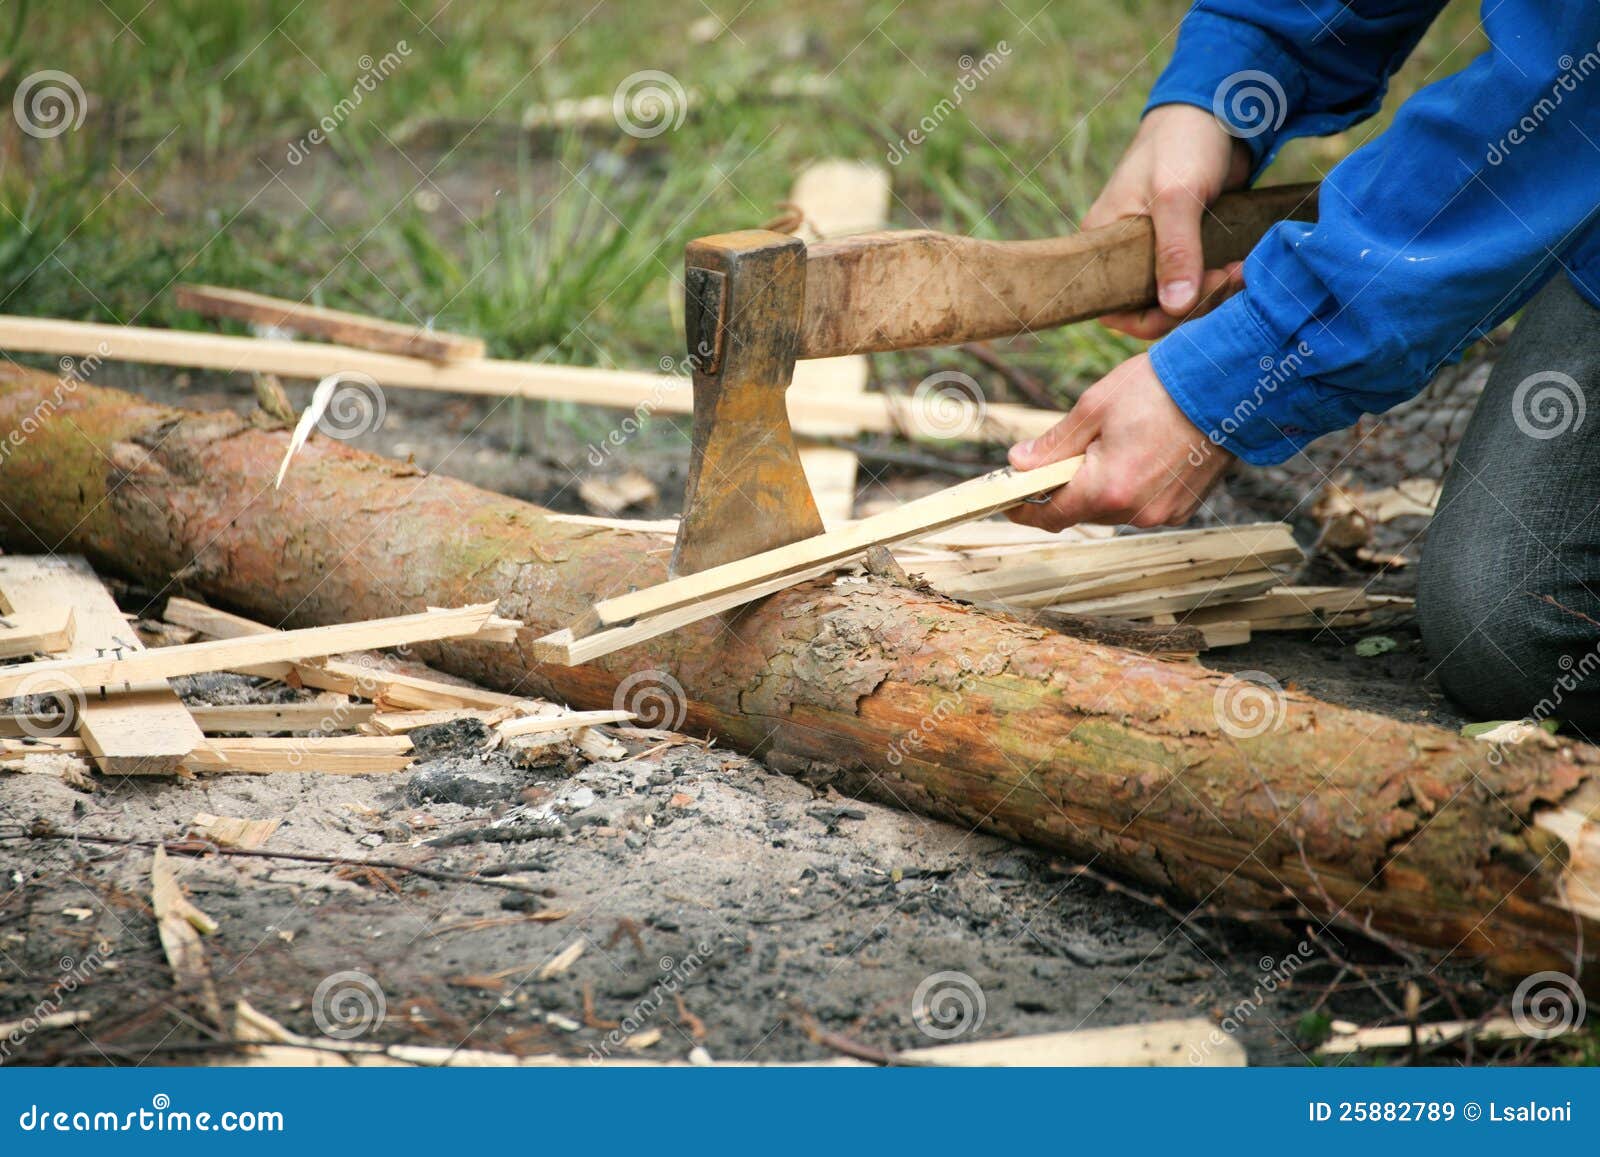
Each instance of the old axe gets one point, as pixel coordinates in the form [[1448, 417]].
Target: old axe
[[756, 301]]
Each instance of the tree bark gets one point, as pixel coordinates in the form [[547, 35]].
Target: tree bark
[[1146, 767]]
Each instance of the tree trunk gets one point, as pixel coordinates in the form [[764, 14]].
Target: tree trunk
[[1157, 770]]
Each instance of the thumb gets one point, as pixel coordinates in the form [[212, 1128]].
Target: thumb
[[1068, 437], [1176, 213]]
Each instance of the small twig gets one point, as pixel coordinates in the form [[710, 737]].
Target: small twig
[[205, 847], [1019, 379]]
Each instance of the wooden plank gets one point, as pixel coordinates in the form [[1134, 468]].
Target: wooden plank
[[225, 654], [139, 730], [324, 754], [270, 717], [40, 632], [331, 754], [1293, 608], [977, 498], [398, 689], [1179, 597], [835, 198], [335, 325], [487, 377], [567, 649], [568, 721]]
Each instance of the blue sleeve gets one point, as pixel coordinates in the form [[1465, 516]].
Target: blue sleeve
[[1273, 70], [1429, 236]]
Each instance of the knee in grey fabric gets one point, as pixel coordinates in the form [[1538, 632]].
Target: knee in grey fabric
[[1512, 562]]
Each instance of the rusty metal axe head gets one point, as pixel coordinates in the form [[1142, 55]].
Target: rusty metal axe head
[[746, 493]]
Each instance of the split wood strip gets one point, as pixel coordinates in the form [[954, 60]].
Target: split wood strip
[[39, 632], [140, 730], [401, 722], [269, 717], [335, 325], [567, 649], [325, 754], [835, 198], [224, 654], [347, 676], [332, 754], [1175, 598], [488, 377], [571, 720], [1262, 544], [180, 925], [975, 499], [233, 831], [1291, 607]]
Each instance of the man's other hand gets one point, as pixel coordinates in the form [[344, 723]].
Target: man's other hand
[[1180, 160], [1145, 464]]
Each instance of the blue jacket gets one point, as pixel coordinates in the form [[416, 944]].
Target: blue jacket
[[1485, 187]]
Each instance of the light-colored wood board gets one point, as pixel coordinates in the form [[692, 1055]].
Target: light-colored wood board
[[485, 377], [568, 721], [268, 717], [835, 198], [39, 632], [328, 755], [93, 672], [566, 649], [970, 500], [1180, 597], [336, 325], [140, 730]]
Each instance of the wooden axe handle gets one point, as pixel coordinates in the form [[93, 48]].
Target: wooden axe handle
[[903, 289]]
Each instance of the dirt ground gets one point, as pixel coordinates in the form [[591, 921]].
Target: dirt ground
[[683, 871]]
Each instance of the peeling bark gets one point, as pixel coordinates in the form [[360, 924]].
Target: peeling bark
[[948, 709]]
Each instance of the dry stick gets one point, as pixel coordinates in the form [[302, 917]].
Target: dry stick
[[487, 377], [202, 847]]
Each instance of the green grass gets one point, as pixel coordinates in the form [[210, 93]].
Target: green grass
[[429, 202]]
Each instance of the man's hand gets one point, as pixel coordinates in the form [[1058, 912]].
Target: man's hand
[[1145, 463], [1180, 160]]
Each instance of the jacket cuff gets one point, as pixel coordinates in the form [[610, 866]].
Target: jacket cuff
[[1243, 390], [1239, 74]]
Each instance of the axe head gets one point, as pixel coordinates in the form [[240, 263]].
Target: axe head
[[746, 493]]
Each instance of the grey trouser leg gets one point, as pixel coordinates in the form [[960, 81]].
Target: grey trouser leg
[[1519, 519]]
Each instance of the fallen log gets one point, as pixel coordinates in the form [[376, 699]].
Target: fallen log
[[1231, 792]]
